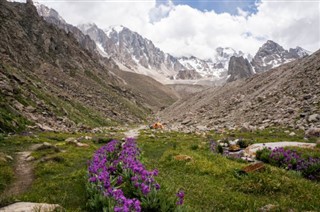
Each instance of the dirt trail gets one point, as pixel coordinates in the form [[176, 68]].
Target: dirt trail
[[23, 171], [134, 133]]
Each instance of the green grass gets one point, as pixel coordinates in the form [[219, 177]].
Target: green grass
[[61, 178], [10, 119], [263, 136], [211, 181]]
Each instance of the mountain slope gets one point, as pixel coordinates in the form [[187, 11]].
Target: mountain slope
[[49, 80], [285, 96]]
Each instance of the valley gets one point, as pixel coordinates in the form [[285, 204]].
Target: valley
[[96, 119]]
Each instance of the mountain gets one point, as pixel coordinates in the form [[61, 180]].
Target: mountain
[[50, 81], [286, 96], [52, 16], [215, 68], [239, 68], [132, 52], [271, 55]]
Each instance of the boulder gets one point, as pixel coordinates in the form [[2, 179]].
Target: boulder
[[71, 140], [313, 132], [314, 118], [292, 134], [43, 146], [31, 207], [269, 207]]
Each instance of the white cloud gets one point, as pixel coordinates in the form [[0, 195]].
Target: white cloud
[[182, 30]]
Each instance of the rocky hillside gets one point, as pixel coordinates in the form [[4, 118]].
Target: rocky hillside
[[288, 96], [48, 80]]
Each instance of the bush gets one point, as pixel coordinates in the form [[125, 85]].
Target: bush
[[291, 160], [244, 143], [220, 149], [194, 147]]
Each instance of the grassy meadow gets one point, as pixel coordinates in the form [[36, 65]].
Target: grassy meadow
[[211, 181]]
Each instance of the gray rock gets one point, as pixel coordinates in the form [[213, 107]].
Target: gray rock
[[266, 208], [314, 118], [292, 134], [313, 132], [31, 207], [239, 68]]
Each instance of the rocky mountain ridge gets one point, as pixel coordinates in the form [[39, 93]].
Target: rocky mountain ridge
[[50, 81], [271, 55], [288, 96], [132, 52]]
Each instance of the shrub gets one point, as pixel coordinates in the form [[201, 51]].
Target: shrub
[[291, 160], [220, 149], [243, 143], [194, 147]]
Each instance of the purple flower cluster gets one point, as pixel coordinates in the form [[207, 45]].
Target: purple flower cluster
[[180, 196], [112, 165], [292, 160]]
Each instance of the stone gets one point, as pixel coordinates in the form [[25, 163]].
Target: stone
[[81, 144], [313, 132], [186, 121], [248, 159], [44, 127], [251, 150], [31, 207], [266, 208], [30, 158], [18, 105], [292, 134], [43, 146], [314, 118], [30, 109], [71, 139], [254, 167], [183, 158], [87, 137]]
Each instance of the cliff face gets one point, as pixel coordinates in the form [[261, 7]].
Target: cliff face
[[239, 68]]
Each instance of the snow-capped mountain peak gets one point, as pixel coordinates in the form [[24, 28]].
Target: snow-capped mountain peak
[[271, 55]]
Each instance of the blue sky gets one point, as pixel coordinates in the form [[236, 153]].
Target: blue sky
[[219, 6]]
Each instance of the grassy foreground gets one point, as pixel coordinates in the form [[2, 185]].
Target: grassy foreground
[[211, 182]]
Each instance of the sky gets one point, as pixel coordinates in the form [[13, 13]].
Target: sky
[[198, 27]]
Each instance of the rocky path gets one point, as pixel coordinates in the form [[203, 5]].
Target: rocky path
[[134, 133], [23, 174]]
